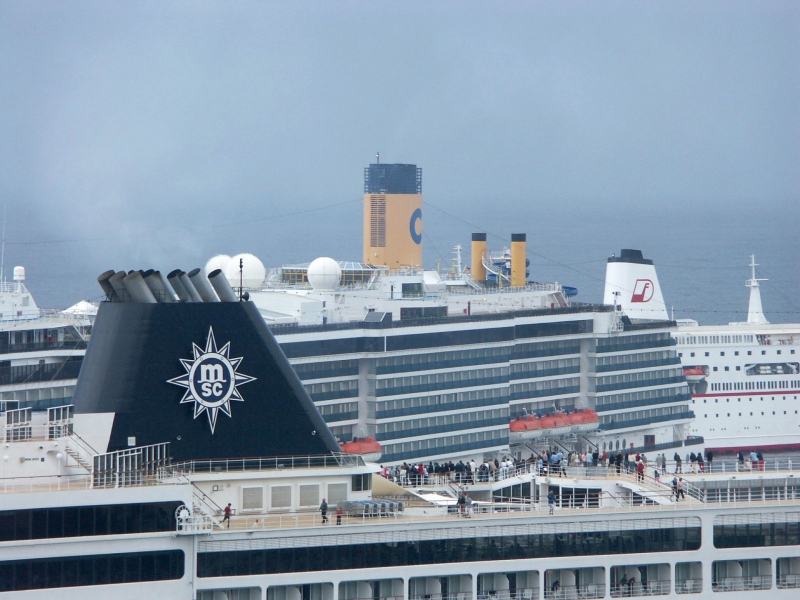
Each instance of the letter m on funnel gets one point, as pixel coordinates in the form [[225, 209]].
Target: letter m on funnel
[[211, 374]]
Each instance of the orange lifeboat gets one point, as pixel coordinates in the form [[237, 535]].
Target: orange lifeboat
[[584, 420], [524, 428], [368, 448], [556, 424], [694, 373]]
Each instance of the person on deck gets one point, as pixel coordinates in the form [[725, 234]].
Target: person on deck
[[323, 508]]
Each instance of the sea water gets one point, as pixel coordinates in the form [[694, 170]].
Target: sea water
[[701, 254]]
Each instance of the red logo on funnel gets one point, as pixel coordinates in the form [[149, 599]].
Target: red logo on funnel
[[642, 291]]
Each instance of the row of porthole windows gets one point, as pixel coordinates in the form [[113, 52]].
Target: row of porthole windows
[[610, 445], [716, 416], [417, 358], [636, 415], [753, 385], [665, 393], [714, 339], [337, 409], [716, 400], [491, 395], [639, 376], [544, 365], [436, 378], [630, 359], [631, 339], [551, 384], [534, 349], [318, 370], [466, 417]]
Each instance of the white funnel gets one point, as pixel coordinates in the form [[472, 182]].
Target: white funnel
[[632, 283]]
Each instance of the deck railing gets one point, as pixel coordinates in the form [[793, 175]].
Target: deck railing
[[238, 465], [660, 587], [738, 584], [688, 586], [574, 592]]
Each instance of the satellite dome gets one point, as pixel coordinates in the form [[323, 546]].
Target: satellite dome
[[220, 261], [324, 274], [253, 272]]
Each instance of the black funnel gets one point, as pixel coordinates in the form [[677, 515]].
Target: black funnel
[[207, 377]]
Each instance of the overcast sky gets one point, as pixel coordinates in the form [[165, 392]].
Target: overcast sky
[[164, 132]]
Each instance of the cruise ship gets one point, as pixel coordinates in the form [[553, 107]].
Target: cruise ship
[[744, 377], [193, 464], [471, 362], [41, 351]]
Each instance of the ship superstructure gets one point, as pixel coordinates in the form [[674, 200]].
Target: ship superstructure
[[744, 377], [41, 351], [441, 364]]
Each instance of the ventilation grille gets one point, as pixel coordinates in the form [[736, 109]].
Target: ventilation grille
[[309, 495], [281, 496], [377, 225], [252, 498]]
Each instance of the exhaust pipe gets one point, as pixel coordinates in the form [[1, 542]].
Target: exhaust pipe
[[168, 287], [221, 286], [174, 279], [107, 289], [156, 282], [115, 281], [187, 283], [137, 289], [202, 285]]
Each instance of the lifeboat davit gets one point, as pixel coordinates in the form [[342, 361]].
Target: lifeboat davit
[[584, 420], [525, 428], [556, 424], [694, 373], [367, 448]]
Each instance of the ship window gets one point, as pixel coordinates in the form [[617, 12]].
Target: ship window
[[74, 521], [722, 354], [763, 352], [362, 483], [706, 353], [692, 354], [736, 353], [101, 569], [749, 352], [727, 368], [778, 353], [738, 368], [715, 368]]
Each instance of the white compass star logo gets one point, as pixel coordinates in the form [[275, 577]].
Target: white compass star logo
[[211, 380]]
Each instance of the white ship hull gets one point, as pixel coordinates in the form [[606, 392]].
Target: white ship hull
[[750, 398]]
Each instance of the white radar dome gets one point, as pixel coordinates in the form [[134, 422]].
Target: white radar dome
[[324, 274], [253, 272], [19, 273], [220, 261]]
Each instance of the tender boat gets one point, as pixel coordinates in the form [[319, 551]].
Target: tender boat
[[366, 447]]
